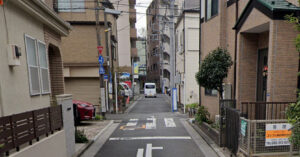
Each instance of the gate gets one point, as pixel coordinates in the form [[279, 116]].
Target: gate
[[232, 130]]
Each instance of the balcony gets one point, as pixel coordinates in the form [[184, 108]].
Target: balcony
[[133, 35], [132, 15]]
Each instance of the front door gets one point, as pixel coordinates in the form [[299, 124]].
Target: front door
[[262, 75]]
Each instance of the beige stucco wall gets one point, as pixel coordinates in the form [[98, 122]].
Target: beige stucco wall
[[14, 84], [54, 145]]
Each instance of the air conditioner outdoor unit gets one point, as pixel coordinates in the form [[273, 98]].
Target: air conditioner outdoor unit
[[14, 53]]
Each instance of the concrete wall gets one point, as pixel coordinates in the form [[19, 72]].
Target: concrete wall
[[14, 82], [54, 145]]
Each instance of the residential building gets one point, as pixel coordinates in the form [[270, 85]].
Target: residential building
[[187, 52], [158, 44], [261, 44], [81, 65], [31, 69], [127, 34]]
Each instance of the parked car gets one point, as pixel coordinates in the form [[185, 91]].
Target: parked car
[[83, 111], [150, 90], [127, 91]]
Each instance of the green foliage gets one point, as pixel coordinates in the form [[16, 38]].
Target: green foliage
[[191, 106], [80, 137], [1, 146], [214, 69], [293, 114], [295, 20], [98, 117], [202, 115]]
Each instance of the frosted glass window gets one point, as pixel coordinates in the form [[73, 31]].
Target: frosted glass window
[[44, 70]]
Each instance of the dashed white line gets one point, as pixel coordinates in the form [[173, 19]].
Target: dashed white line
[[132, 122], [140, 152], [169, 122], [151, 125]]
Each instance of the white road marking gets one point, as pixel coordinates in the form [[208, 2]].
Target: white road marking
[[140, 152], [149, 149], [150, 138], [132, 122], [169, 122], [151, 125]]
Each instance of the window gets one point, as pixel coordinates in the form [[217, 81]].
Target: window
[[38, 70], [211, 92], [212, 7], [70, 6]]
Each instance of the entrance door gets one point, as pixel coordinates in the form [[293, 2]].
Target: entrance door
[[262, 75]]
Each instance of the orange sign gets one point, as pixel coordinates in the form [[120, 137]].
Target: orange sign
[[278, 134]]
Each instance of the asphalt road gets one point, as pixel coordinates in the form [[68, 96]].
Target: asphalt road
[[150, 129]]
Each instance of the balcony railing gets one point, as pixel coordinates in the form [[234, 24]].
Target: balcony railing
[[19, 129]]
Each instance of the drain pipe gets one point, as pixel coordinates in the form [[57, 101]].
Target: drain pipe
[[235, 48], [199, 62], [1, 104]]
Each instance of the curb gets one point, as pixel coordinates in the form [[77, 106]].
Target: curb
[[207, 140], [86, 146], [133, 104]]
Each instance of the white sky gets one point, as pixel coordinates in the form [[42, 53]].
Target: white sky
[[141, 7]]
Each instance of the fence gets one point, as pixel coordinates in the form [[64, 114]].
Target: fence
[[224, 103], [19, 129], [264, 110], [254, 140]]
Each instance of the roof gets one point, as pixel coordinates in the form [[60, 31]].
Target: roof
[[278, 5], [274, 9]]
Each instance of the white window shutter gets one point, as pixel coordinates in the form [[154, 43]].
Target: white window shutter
[[44, 69], [33, 68]]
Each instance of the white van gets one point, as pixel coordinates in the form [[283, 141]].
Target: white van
[[150, 90]]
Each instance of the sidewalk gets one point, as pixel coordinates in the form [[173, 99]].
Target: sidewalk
[[92, 129]]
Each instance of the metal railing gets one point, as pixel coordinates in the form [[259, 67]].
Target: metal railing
[[264, 110], [19, 129]]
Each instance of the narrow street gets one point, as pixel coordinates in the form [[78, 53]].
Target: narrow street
[[150, 129]]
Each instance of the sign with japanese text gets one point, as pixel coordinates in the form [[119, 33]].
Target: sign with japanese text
[[243, 127], [278, 134]]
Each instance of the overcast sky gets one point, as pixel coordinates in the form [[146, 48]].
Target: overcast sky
[[141, 7]]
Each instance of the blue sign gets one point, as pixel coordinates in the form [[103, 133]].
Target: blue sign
[[101, 70], [101, 60], [105, 77]]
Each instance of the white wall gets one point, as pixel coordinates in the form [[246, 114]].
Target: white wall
[[15, 96]]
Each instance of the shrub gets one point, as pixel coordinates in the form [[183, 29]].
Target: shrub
[[98, 117], [191, 106], [293, 114], [202, 115], [80, 137]]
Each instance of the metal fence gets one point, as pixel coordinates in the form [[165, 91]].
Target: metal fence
[[18, 129], [264, 110], [224, 103], [253, 139]]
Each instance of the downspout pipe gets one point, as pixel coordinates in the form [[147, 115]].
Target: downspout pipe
[[235, 48], [200, 8]]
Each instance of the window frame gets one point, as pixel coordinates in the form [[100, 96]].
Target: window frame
[[38, 66], [71, 8], [209, 92], [211, 10]]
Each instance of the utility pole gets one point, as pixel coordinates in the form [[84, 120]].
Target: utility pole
[[107, 57], [172, 44], [101, 77]]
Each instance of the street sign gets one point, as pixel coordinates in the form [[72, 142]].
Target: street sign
[[174, 99], [101, 70], [101, 60], [100, 49], [105, 77]]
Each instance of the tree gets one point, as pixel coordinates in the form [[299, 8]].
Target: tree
[[214, 69], [293, 111]]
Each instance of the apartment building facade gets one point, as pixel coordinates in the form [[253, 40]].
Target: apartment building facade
[[187, 52], [159, 68], [261, 44], [80, 53], [127, 34], [31, 69]]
